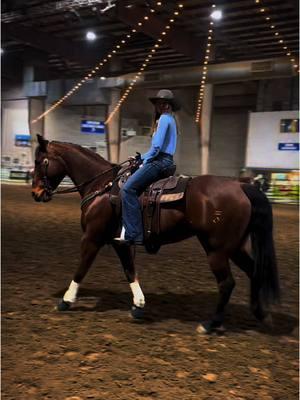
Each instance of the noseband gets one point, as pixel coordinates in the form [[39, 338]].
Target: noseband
[[45, 178]]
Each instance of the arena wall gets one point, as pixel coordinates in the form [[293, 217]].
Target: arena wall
[[231, 104]]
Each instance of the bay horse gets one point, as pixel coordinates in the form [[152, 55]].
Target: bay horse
[[224, 214]]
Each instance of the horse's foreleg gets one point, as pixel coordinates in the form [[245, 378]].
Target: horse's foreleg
[[127, 255], [219, 264], [89, 249]]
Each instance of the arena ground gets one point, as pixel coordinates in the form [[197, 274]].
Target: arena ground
[[95, 351]]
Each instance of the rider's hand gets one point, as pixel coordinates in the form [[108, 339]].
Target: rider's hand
[[136, 158]]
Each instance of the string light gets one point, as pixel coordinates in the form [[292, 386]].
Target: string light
[[93, 72], [144, 65], [204, 70], [281, 42]]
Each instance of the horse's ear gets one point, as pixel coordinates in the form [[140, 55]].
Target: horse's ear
[[42, 142]]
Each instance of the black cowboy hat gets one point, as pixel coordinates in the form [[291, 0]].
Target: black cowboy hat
[[167, 95]]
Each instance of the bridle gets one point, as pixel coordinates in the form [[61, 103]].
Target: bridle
[[75, 188], [45, 178]]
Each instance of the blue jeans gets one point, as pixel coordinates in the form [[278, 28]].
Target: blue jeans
[[133, 188]]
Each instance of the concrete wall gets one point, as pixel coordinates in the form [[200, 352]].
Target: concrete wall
[[15, 122], [231, 105], [278, 95], [64, 125], [137, 113], [228, 143]]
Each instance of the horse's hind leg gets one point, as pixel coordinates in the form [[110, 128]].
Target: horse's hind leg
[[127, 255], [219, 264], [89, 250], [244, 261]]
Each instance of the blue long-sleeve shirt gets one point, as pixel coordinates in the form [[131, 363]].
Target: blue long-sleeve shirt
[[164, 138]]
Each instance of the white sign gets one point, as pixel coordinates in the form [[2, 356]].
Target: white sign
[[266, 142]]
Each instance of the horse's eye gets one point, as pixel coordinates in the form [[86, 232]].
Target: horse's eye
[[45, 161]]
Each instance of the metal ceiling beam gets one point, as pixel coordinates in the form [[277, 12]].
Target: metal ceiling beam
[[11, 68], [51, 44], [179, 40]]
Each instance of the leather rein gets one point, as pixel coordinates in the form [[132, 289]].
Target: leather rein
[[76, 188]]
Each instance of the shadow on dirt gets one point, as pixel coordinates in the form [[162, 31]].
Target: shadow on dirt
[[191, 307]]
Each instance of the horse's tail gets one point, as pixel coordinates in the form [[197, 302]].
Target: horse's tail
[[265, 277]]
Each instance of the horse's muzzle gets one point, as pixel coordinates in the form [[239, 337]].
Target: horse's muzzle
[[41, 195]]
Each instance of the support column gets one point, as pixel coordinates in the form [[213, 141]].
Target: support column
[[36, 106], [113, 128], [260, 99], [205, 127]]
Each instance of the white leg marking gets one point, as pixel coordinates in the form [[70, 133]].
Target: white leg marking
[[122, 236], [71, 293], [138, 295]]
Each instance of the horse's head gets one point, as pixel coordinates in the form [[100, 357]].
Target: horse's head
[[48, 172]]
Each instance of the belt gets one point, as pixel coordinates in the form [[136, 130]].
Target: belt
[[162, 154]]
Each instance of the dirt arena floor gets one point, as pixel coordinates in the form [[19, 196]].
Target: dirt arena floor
[[96, 351]]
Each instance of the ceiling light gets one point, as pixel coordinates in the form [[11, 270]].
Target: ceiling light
[[91, 35], [216, 15], [103, 78]]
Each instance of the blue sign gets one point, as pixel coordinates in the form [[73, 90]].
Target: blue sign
[[288, 146], [92, 127], [23, 140]]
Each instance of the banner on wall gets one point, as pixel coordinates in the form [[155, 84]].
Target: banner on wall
[[92, 127], [288, 146], [289, 125], [23, 140]]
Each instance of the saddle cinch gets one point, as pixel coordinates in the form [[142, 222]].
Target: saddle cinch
[[168, 189]]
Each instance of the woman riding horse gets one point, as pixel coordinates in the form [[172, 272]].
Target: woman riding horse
[[232, 220], [154, 162]]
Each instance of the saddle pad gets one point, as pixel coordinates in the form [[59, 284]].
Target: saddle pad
[[168, 198], [173, 189]]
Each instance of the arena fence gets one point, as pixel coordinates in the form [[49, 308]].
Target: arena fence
[[284, 191], [280, 189]]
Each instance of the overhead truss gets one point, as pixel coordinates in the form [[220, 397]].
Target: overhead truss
[[63, 5]]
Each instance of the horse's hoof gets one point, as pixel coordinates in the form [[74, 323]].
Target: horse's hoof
[[137, 312], [208, 327], [63, 306], [267, 322], [203, 328]]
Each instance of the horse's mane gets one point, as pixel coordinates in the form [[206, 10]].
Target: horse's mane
[[83, 150]]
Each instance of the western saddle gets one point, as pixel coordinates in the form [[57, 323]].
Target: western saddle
[[168, 189]]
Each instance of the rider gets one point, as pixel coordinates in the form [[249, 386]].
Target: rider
[[158, 158]]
